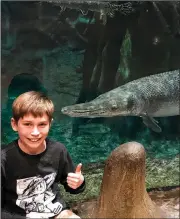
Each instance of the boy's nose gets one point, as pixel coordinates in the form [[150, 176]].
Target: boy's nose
[[35, 131]]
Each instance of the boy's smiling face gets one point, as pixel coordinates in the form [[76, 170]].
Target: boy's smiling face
[[32, 132]]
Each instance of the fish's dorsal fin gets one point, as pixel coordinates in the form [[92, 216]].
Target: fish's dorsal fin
[[151, 123]]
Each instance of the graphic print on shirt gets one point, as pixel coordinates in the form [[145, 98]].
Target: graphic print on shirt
[[35, 196]]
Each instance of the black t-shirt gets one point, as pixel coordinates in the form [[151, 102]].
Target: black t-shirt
[[29, 183]]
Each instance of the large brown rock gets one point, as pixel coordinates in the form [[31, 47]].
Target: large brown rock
[[123, 191]]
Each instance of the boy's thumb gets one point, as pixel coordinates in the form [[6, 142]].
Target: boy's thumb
[[78, 168]]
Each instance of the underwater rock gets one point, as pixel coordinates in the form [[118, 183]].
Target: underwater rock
[[123, 192]]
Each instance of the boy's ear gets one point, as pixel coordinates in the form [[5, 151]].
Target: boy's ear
[[51, 122], [14, 124]]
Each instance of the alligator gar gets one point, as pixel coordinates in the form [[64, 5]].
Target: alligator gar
[[152, 96]]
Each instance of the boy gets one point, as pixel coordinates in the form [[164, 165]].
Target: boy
[[33, 165]]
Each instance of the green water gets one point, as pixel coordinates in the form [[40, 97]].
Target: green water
[[95, 142]]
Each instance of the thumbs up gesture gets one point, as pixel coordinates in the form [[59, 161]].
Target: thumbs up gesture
[[74, 180]]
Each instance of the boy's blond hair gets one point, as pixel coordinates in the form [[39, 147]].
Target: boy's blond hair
[[32, 102]]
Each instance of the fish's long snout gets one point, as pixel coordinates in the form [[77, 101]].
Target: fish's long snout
[[70, 110]]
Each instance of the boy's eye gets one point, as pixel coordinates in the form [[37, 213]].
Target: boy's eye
[[43, 124], [27, 124]]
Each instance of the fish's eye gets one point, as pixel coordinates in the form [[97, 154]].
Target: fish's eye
[[114, 105]]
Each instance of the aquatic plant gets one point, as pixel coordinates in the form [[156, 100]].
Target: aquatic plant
[[125, 56]]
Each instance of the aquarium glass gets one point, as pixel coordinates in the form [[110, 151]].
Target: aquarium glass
[[76, 51]]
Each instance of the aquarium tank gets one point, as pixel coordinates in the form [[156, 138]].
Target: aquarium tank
[[112, 70]]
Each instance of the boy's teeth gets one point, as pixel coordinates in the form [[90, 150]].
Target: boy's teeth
[[34, 140]]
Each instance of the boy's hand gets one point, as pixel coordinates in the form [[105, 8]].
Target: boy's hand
[[74, 180]]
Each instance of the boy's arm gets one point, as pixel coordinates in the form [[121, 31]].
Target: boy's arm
[[69, 167]]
